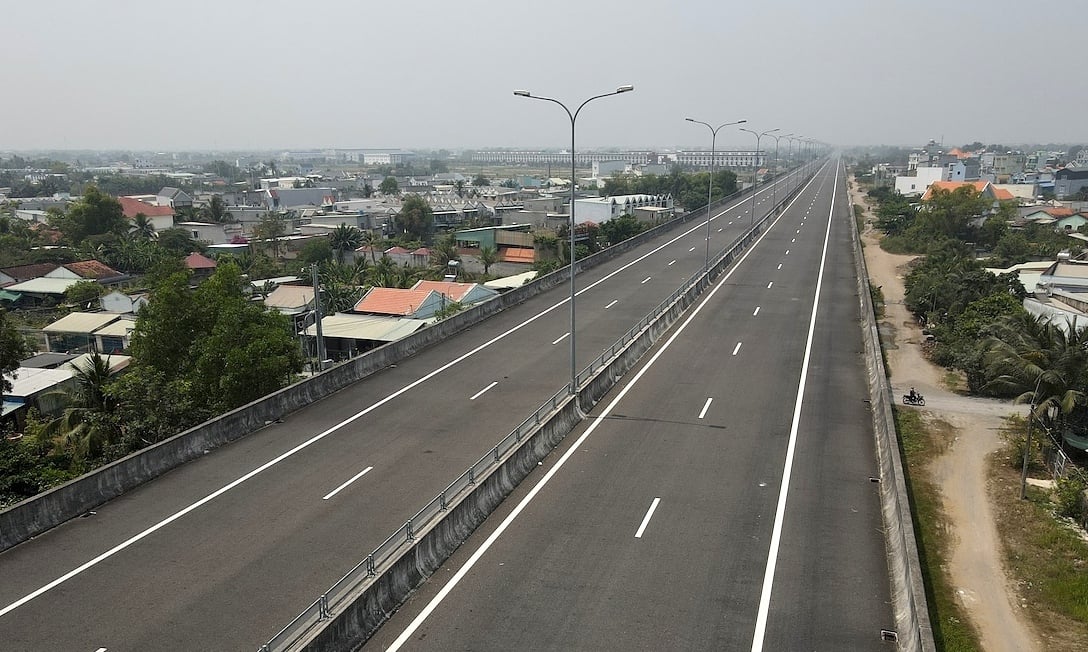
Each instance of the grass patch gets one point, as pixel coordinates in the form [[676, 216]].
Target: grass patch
[[1045, 556], [859, 217], [920, 443], [898, 244]]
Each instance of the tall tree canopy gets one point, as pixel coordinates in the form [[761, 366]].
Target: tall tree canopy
[[415, 218], [96, 213]]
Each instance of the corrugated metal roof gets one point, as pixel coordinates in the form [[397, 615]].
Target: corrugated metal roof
[[81, 322], [290, 297], [119, 328], [27, 382], [44, 285], [510, 282], [367, 327]]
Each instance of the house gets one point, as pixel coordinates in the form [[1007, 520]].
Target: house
[[161, 217], [1070, 181], [20, 273], [420, 257], [291, 299], [211, 232], [115, 337], [174, 198], [75, 331], [119, 303], [396, 302], [348, 335], [602, 209], [1070, 223], [201, 266], [88, 270], [44, 386], [463, 293], [507, 283], [399, 255]]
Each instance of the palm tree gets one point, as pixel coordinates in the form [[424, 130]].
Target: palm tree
[[383, 273], [1040, 363], [216, 210], [368, 239], [345, 238], [142, 227], [488, 257], [84, 427]]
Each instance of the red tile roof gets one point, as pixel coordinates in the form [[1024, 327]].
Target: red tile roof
[[396, 250], [195, 261], [1058, 211], [133, 206], [392, 301], [92, 269], [951, 186], [453, 291], [1003, 195], [26, 272]]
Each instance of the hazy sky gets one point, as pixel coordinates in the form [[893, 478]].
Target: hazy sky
[[242, 74]]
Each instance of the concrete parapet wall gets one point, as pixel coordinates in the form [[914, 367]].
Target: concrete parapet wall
[[55, 506], [908, 590]]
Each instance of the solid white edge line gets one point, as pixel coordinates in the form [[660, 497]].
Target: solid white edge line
[[706, 406], [343, 486], [481, 392], [646, 519], [614, 302], [783, 492], [596, 421]]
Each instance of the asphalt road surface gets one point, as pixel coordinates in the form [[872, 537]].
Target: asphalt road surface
[[719, 500], [222, 552]]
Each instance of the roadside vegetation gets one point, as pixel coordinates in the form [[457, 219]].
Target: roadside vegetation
[[920, 444]]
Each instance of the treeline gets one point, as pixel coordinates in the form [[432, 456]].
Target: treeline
[[687, 189]]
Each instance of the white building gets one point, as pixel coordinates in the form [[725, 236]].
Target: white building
[[917, 185], [602, 209]]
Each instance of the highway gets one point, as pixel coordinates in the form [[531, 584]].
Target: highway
[[222, 552], [719, 499]]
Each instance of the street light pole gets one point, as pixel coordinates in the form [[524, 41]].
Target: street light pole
[[573, 118], [710, 190], [774, 188], [789, 156], [755, 177]]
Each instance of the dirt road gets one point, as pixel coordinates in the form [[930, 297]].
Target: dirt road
[[975, 566]]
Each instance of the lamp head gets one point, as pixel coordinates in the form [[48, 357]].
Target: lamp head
[[522, 93], [625, 89], [741, 122], [690, 119]]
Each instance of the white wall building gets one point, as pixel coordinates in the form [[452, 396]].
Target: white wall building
[[917, 185], [602, 209]]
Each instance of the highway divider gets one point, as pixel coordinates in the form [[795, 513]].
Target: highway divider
[[348, 613], [50, 508], [913, 628]]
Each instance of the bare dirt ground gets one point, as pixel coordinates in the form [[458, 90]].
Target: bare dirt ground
[[975, 567]]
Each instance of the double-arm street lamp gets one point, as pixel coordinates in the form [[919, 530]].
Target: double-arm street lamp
[[573, 117], [774, 188], [789, 155], [710, 191], [755, 177]]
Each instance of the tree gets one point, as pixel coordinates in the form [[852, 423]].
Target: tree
[[345, 238], [95, 213], [459, 188], [620, 228], [415, 218], [142, 227], [85, 427], [178, 242], [84, 292], [368, 239], [271, 228], [488, 257], [439, 166], [316, 250], [389, 186], [13, 349], [480, 180], [216, 210]]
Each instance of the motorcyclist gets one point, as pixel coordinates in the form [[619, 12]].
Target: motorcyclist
[[913, 394]]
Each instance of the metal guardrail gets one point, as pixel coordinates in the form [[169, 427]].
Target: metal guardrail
[[323, 607]]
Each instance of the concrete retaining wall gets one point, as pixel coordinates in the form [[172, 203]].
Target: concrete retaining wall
[[908, 590], [55, 506]]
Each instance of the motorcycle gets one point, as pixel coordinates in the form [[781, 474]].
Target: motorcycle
[[917, 399]]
